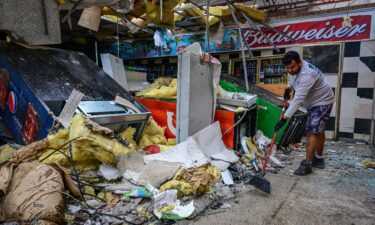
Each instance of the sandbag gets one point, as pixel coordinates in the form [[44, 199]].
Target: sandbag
[[34, 192]]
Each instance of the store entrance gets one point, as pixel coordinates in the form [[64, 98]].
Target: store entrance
[[328, 59]]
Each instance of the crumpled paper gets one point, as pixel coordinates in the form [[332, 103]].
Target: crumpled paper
[[168, 207]]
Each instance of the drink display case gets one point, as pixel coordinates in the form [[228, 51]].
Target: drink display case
[[272, 71], [261, 70], [236, 69]]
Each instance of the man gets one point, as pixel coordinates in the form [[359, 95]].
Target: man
[[312, 90]]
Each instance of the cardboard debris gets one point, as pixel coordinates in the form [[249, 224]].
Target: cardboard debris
[[210, 142], [220, 164], [90, 18], [44, 201], [187, 153], [155, 173], [227, 177]]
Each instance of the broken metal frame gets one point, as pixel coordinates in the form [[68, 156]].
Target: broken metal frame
[[242, 40], [210, 72]]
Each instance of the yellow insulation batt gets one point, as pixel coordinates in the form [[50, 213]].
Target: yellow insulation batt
[[90, 148], [220, 12], [162, 88], [153, 134], [223, 11], [161, 16], [193, 181], [194, 11], [6, 153]]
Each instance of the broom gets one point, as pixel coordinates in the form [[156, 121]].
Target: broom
[[258, 180]]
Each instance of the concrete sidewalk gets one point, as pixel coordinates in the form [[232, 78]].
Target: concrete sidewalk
[[342, 193]]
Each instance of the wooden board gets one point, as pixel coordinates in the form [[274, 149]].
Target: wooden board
[[277, 89]]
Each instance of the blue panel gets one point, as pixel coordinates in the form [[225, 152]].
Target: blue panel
[[15, 121]]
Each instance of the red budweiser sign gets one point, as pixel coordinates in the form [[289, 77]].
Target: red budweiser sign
[[314, 31]]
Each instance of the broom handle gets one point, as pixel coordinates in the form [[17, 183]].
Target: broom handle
[[273, 140]]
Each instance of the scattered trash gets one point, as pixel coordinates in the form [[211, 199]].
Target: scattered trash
[[187, 153], [141, 192], [331, 151], [93, 203], [167, 207], [201, 164], [276, 162], [368, 163], [193, 181], [152, 149], [74, 208], [109, 172], [262, 140], [211, 144], [227, 177]]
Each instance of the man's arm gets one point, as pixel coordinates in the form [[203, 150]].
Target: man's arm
[[301, 92]]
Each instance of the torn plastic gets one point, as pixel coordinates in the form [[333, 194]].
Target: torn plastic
[[141, 192]]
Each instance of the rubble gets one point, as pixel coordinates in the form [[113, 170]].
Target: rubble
[[122, 181]]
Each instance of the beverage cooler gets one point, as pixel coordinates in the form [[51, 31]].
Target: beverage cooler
[[261, 70], [236, 69], [272, 71]]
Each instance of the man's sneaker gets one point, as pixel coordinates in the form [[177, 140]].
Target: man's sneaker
[[304, 168], [318, 163]]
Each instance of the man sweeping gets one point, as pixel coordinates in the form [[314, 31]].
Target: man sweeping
[[311, 89]]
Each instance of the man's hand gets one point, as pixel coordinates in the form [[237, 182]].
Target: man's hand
[[287, 93], [280, 124]]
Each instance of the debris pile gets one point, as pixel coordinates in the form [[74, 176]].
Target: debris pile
[[97, 176]]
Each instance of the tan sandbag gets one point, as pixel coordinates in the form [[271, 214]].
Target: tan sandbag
[[34, 192], [30, 152]]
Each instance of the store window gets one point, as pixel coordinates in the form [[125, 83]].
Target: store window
[[325, 57]]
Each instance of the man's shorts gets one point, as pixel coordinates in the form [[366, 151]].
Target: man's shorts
[[317, 118]]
